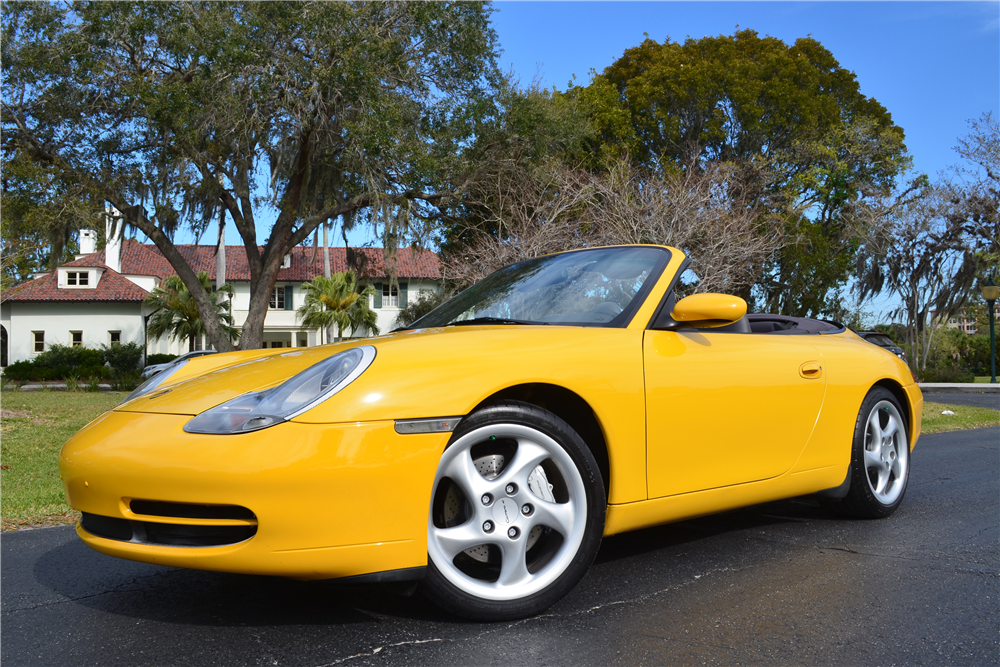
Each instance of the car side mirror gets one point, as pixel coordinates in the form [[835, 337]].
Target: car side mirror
[[707, 311]]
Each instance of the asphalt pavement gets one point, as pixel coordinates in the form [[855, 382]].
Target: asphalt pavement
[[991, 401], [780, 583]]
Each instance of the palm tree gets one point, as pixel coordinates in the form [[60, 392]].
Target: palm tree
[[337, 301], [176, 314]]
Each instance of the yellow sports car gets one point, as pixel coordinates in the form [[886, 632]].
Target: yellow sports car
[[488, 448]]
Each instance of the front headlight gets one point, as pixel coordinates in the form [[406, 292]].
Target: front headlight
[[260, 409]]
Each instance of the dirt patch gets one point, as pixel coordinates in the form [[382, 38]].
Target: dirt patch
[[10, 525], [15, 414]]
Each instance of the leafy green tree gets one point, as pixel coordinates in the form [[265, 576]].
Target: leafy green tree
[[336, 301], [41, 212], [756, 101], [938, 241], [173, 111], [176, 315]]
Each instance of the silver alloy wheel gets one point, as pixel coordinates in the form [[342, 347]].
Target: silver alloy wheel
[[502, 512], [886, 454]]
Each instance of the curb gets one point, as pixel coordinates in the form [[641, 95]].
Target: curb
[[959, 388], [59, 387]]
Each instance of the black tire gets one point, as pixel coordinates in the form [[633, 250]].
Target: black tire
[[880, 469], [489, 474]]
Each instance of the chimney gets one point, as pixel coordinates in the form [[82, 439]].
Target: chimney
[[88, 242], [114, 226]]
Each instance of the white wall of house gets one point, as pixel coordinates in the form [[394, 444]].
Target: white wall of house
[[281, 325], [57, 320], [94, 320], [387, 313]]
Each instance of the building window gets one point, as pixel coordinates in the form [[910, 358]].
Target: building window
[[115, 337], [76, 338], [196, 340], [78, 278], [39, 337], [390, 296], [277, 298]]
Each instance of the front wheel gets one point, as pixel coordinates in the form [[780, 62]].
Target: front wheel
[[880, 458], [517, 514]]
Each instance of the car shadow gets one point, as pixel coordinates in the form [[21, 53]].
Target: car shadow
[[672, 535], [194, 597]]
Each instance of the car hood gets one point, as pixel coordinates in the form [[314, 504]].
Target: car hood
[[418, 373]]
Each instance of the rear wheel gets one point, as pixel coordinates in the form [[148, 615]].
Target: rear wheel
[[880, 459], [517, 514]]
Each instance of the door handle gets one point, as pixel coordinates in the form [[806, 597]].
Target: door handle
[[811, 370]]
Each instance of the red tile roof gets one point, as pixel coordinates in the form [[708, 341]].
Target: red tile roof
[[137, 260], [146, 260], [111, 287]]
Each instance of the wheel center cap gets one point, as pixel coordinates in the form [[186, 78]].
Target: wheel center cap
[[505, 512]]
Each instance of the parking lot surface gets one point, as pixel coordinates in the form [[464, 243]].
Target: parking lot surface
[[781, 583]]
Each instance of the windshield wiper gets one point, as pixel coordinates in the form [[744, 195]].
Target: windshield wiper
[[493, 320]]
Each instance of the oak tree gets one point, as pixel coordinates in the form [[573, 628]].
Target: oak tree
[[284, 115]]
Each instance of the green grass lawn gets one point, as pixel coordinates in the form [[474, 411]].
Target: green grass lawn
[[35, 425], [984, 379], [33, 428], [964, 417]]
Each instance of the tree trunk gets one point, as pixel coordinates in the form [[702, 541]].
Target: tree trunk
[[326, 251]]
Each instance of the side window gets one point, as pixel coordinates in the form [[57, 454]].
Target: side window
[[39, 341], [114, 337], [77, 338]]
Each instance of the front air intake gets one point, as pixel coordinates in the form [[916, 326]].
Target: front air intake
[[195, 525]]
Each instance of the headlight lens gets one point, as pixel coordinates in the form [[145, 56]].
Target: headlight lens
[[155, 381], [260, 409]]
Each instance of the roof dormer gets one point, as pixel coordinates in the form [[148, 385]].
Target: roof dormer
[[79, 277]]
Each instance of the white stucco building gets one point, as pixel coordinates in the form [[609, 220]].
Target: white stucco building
[[97, 298]]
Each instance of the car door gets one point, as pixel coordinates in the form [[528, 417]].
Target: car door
[[726, 408]]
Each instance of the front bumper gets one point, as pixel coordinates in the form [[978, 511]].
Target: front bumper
[[327, 500]]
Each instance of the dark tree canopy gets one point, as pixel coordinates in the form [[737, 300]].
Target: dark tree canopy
[[751, 100], [300, 112]]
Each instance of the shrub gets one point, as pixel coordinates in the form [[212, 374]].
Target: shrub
[[65, 356], [947, 373], [122, 357], [126, 380], [154, 359], [20, 371]]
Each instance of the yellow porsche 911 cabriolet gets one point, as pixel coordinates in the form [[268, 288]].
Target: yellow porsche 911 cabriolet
[[488, 448]]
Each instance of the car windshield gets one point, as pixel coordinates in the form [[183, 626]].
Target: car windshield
[[601, 287]]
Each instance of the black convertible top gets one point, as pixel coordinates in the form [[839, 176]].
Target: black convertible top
[[784, 324]]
